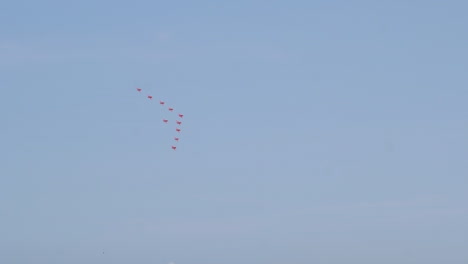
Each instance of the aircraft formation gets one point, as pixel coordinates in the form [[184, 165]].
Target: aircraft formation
[[177, 121]]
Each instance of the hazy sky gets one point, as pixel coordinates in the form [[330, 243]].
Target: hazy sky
[[322, 132]]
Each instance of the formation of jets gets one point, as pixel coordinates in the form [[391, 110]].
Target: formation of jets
[[166, 121]]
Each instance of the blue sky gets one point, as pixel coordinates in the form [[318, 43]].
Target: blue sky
[[314, 132]]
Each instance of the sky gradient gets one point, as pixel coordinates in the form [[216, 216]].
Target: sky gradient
[[314, 132]]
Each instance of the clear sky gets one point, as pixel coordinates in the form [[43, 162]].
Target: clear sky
[[314, 132]]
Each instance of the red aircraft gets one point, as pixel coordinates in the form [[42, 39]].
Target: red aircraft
[[165, 120], [178, 122], [181, 115], [150, 97], [176, 139], [174, 148], [177, 129], [138, 89], [170, 109], [161, 102]]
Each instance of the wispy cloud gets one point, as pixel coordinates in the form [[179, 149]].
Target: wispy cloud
[[53, 50]]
